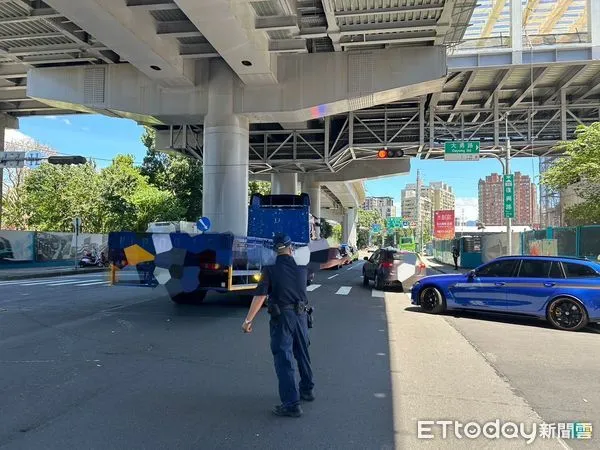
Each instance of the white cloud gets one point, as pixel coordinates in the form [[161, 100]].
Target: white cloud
[[467, 207], [15, 137], [51, 117], [67, 121]]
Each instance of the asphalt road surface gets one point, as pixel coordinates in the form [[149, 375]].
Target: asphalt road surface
[[87, 365]]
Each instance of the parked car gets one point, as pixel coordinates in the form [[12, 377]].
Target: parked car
[[562, 290], [382, 268]]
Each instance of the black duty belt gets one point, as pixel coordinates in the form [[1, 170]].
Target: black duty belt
[[299, 307]]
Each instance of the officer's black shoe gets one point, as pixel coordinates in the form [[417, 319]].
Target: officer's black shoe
[[307, 396], [287, 411]]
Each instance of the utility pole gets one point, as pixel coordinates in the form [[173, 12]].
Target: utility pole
[[419, 230]]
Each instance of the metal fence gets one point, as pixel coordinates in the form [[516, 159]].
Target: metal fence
[[582, 242]]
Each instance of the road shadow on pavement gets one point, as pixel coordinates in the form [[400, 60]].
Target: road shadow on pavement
[[153, 374]]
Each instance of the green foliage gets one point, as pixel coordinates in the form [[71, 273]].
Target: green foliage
[[369, 218], [118, 197], [259, 187], [326, 229], [366, 219], [336, 233], [179, 175], [579, 168], [53, 195]]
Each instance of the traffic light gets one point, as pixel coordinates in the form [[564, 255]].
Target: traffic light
[[387, 153], [64, 160]]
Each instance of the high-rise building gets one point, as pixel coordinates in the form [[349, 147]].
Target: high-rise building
[[409, 204], [441, 195], [385, 206], [491, 200], [435, 197]]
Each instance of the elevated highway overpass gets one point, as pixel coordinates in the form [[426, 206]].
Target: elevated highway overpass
[[303, 91]]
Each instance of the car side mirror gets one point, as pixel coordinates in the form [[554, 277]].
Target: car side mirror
[[366, 258], [472, 274]]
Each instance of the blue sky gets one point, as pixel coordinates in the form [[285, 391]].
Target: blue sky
[[103, 137], [93, 136]]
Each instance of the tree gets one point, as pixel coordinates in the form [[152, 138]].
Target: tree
[[336, 233], [259, 187], [130, 202], [180, 175], [326, 229], [53, 195], [14, 213], [580, 168], [366, 220]]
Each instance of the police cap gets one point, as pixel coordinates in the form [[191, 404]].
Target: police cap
[[281, 241]]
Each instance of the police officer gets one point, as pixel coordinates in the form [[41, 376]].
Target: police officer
[[285, 284]]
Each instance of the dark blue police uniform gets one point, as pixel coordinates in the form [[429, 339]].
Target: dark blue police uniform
[[285, 284]]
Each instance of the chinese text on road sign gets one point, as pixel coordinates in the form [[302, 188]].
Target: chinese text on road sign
[[509, 197], [461, 151]]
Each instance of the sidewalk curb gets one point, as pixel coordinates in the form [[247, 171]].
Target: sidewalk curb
[[56, 273], [424, 261]]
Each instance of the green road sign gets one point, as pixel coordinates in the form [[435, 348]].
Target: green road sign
[[461, 151], [393, 222], [509, 196]]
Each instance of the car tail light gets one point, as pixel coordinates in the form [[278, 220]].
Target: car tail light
[[387, 265], [210, 266]]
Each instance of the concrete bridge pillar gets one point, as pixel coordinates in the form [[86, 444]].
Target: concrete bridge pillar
[[349, 227], [226, 155], [284, 183]]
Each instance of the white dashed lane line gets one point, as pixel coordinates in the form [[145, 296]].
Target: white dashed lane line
[[333, 276], [312, 287], [344, 290], [376, 293]]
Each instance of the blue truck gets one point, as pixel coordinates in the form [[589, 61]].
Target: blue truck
[[189, 266]]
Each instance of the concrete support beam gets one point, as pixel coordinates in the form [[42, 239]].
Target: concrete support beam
[[284, 183], [349, 227], [313, 189], [152, 5], [516, 30], [226, 138], [130, 33], [333, 29], [229, 27], [311, 86]]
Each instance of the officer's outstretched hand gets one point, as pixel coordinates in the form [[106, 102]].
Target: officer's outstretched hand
[[247, 327]]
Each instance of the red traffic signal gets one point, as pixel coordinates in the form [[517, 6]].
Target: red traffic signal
[[387, 153]]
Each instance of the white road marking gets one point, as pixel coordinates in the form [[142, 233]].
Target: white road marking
[[376, 293], [63, 283], [344, 290], [333, 276], [32, 282], [94, 283], [312, 287]]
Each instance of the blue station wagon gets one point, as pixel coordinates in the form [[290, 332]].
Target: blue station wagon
[[563, 290]]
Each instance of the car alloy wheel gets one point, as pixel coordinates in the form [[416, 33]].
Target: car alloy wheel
[[431, 300], [567, 314]]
